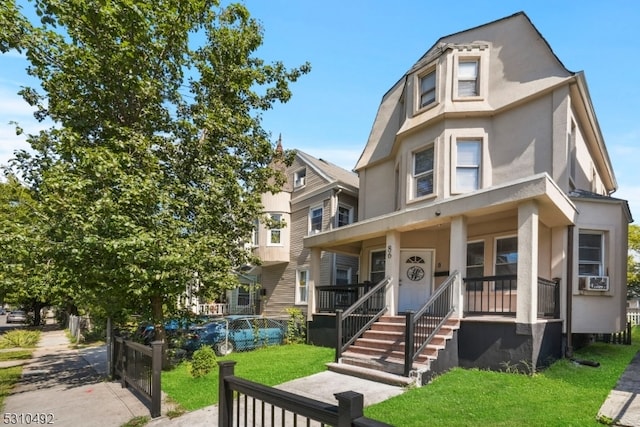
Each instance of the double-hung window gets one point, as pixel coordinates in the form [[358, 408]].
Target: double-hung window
[[506, 262], [423, 172], [302, 278], [468, 158], [345, 215], [315, 220], [275, 230], [427, 88], [590, 254], [343, 275], [475, 265], [299, 178], [468, 78], [378, 263]]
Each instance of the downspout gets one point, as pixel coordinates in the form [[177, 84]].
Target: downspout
[[569, 349]]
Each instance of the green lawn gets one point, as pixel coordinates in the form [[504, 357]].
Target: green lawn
[[565, 394], [269, 366]]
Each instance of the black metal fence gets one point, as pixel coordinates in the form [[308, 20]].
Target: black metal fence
[[139, 366], [622, 337], [339, 297], [548, 298], [246, 403]]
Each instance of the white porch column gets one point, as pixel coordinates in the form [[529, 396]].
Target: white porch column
[[392, 269], [314, 279], [458, 260], [527, 300]]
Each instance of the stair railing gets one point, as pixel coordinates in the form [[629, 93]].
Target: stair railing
[[355, 320], [424, 324]]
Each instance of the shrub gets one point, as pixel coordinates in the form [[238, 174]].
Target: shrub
[[203, 362], [296, 326], [20, 338]]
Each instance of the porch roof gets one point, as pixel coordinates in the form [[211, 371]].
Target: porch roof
[[555, 209]]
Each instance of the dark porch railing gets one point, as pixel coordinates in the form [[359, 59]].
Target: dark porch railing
[[331, 298], [355, 320], [423, 325], [498, 295]]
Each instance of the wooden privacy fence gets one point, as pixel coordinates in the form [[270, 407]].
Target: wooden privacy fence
[[245, 403], [139, 366]]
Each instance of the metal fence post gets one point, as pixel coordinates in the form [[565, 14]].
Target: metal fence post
[[408, 342], [225, 394], [350, 404], [156, 375], [338, 335]]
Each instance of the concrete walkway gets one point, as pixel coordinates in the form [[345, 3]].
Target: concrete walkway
[[623, 403]]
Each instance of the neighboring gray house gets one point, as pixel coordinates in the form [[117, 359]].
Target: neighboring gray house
[[485, 176], [317, 197]]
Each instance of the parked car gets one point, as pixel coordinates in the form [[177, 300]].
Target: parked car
[[17, 316], [236, 333]]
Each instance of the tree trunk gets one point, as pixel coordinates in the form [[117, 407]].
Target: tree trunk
[[157, 314]]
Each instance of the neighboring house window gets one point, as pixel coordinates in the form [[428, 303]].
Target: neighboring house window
[[345, 215], [315, 220], [255, 234], [475, 265], [302, 286], [377, 266], [506, 261], [275, 230], [343, 275], [427, 88], [590, 254], [468, 78], [423, 172], [299, 178], [468, 158]]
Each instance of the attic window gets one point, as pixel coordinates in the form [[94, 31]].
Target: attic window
[[299, 178], [468, 78], [427, 88]]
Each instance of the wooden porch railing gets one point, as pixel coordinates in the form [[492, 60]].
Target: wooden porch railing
[[498, 295], [355, 320], [423, 325]]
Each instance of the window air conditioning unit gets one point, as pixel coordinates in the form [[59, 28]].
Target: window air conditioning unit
[[594, 283]]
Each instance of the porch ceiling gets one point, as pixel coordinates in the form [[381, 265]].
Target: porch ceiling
[[554, 208]]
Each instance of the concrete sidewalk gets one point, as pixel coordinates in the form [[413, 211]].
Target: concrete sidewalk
[[622, 406]]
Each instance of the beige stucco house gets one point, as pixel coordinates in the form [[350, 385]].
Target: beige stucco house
[[317, 197], [485, 170]]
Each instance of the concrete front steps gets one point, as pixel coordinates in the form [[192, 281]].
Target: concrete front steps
[[379, 354]]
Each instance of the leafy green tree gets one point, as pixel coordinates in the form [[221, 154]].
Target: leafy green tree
[[154, 168], [633, 262]]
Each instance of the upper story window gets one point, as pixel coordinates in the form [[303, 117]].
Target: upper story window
[[345, 215], [299, 178], [275, 230], [255, 233], [315, 220], [467, 165], [423, 172], [468, 78], [590, 254], [427, 88]]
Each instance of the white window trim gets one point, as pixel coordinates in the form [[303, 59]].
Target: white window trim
[[311, 210], [431, 68], [349, 273], [269, 230], [603, 247], [413, 197], [476, 54], [454, 163], [299, 182], [345, 206], [298, 300]]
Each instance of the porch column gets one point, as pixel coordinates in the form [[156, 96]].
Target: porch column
[[527, 299], [458, 260], [314, 278], [392, 269]]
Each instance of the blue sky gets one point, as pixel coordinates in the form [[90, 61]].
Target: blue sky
[[358, 49]]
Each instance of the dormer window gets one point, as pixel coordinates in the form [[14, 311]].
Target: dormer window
[[299, 178], [468, 78], [427, 88]]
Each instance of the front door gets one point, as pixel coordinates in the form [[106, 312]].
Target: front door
[[415, 279]]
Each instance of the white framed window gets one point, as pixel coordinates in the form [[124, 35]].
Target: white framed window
[[468, 160], [315, 220], [423, 164], [344, 215], [591, 253], [255, 233], [377, 265], [343, 275], [467, 78], [302, 286], [275, 230], [427, 88], [300, 178], [506, 261]]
